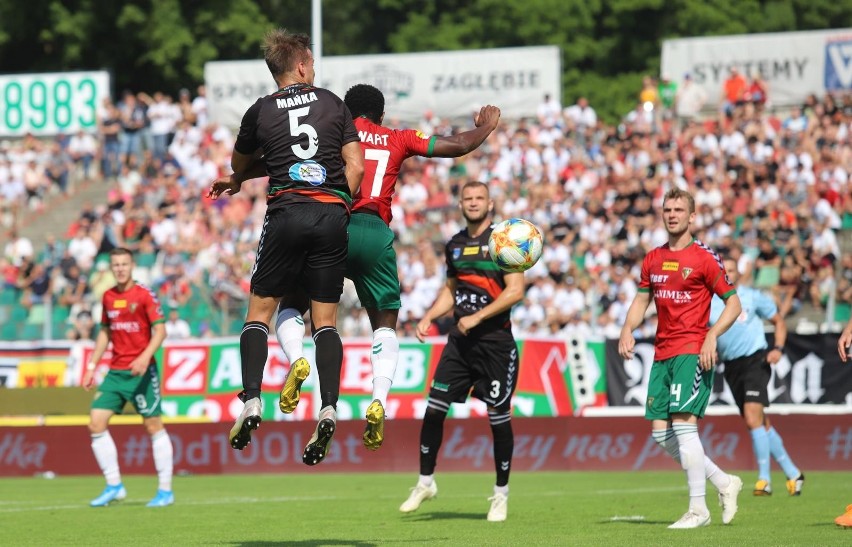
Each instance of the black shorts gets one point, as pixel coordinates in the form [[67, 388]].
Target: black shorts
[[489, 367], [302, 248], [748, 378]]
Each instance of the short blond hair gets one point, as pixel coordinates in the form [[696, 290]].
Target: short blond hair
[[677, 193]]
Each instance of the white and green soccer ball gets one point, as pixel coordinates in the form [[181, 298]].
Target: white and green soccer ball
[[515, 245]]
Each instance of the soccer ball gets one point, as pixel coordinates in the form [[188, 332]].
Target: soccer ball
[[515, 245]]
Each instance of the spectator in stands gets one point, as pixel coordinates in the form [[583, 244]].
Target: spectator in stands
[[789, 184], [82, 327], [758, 90], [82, 149], [18, 249], [109, 131], [133, 123], [83, 248], [199, 108], [796, 122], [649, 95], [734, 91], [176, 327], [35, 283], [580, 115], [72, 287], [667, 93], [549, 112]]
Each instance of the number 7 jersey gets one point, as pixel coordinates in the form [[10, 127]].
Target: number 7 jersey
[[384, 151]]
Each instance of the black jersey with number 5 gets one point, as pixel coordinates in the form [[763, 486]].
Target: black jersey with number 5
[[479, 281], [301, 129]]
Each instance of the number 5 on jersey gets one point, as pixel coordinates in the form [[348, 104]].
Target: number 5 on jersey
[[297, 129]]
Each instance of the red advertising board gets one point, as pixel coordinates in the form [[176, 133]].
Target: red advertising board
[[201, 378], [815, 442]]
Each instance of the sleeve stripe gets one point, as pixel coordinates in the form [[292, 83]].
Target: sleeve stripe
[[431, 150], [729, 294]]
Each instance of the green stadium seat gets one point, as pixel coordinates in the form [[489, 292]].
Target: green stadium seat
[[767, 277], [60, 313], [19, 313], [36, 315], [842, 312], [59, 330], [146, 260], [8, 296], [9, 331], [236, 326], [31, 332]]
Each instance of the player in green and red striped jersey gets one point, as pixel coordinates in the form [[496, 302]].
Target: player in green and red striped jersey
[[132, 320], [682, 276]]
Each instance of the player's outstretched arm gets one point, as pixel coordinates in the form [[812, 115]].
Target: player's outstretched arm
[[464, 143], [635, 316], [231, 184]]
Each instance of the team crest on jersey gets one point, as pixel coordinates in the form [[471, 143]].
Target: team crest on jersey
[[670, 266], [308, 171], [457, 253], [133, 307], [685, 272]]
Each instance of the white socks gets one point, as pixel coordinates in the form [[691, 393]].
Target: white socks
[[692, 461], [667, 439], [107, 456], [290, 331], [384, 358], [426, 480], [161, 445]]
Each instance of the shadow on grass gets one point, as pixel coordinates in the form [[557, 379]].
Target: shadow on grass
[[444, 515], [307, 543], [634, 521]]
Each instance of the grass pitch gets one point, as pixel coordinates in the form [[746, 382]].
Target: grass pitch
[[571, 508]]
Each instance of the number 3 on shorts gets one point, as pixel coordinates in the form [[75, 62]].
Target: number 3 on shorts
[[495, 388]]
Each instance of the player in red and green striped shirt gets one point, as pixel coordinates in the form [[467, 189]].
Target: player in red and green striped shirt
[[682, 276]]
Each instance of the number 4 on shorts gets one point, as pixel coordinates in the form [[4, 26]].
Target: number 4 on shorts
[[676, 392]]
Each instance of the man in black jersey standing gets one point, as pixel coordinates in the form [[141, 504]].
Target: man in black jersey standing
[[304, 139], [481, 355]]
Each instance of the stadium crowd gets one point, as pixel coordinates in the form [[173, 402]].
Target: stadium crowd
[[771, 188]]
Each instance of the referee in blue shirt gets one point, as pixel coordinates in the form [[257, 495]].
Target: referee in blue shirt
[[748, 361]]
